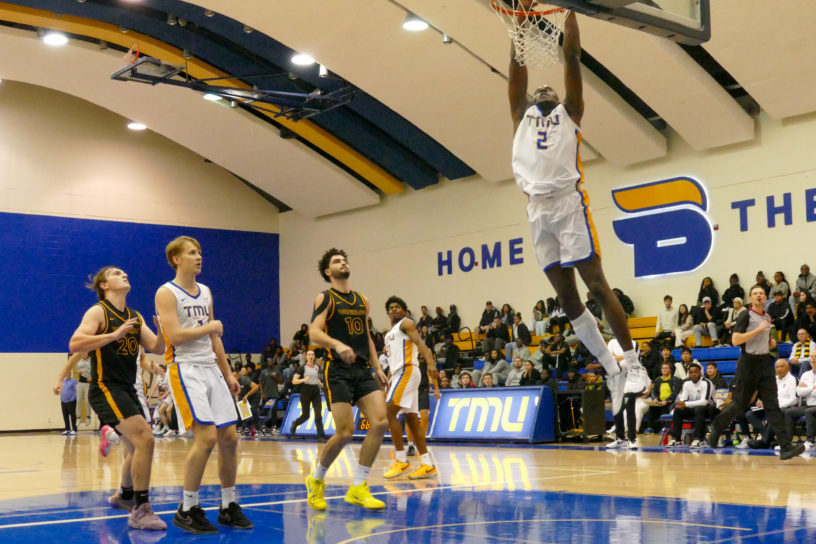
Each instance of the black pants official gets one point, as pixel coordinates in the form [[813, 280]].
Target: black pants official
[[310, 397], [629, 400], [69, 414], [755, 373]]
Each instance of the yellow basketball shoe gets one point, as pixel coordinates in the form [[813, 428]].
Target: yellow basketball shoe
[[397, 469], [424, 471], [361, 496], [315, 489]]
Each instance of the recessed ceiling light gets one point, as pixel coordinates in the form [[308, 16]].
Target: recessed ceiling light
[[212, 97], [302, 59], [136, 126], [414, 23], [55, 38]]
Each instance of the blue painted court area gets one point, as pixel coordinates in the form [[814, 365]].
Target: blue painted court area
[[415, 512]]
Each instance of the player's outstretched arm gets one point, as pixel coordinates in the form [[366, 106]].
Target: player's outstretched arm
[[574, 98], [72, 361], [517, 89]]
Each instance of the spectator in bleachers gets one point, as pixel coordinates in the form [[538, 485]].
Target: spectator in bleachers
[[708, 323], [574, 381], [684, 327], [780, 313], [625, 302], [280, 357], [494, 364], [249, 392], [582, 357], [270, 349], [696, 402], [507, 315], [445, 383], [666, 321], [487, 381], [665, 389], [448, 353], [781, 285], [713, 374], [540, 318], [667, 357], [456, 374], [513, 378], [379, 343], [465, 381], [270, 383], [547, 380], [454, 321], [521, 350], [539, 356], [302, 335], [520, 330], [424, 318], [439, 324], [681, 368], [425, 336], [731, 320], [763, 282], [557, 316], [788, 400], [496, 337], [734, 290], [530, 376], [650, 359], [707, 289], [593, 306], [806, 390], [801, 352], [807, 319], [805, 284], [637, 386], [486, 322], [558, 355]]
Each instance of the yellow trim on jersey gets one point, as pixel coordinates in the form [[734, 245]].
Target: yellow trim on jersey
[[103, 388], [404, 379], [408, 350], [585, 201], [336, 294], [180, 398], [326, 379], [169, 351]]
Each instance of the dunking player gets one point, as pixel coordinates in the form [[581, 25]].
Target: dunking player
[[340, 324], [755, 372], [201, 385], [547, 167], [112, 333], [401, 345]]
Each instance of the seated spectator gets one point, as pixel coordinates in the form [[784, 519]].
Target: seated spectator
[[708, 323], [270, 349], [488, 315], [442, 374], [496, 337], [424, 318], [681, 367], [731, 320], [494, 364], [557, 316], [593, 306], [806, 390], [684, 327], [649, 358], [455, 376], [302, 335], [574, 382], [425, 336], [520, 332], [465, 381], [625, 302], [780, 313], [487, 381], [666, 321], [582, 357], [707, 290], [280, 357], [807, 320], [448, 353], [667, 357], [713, 374], [764, 283], [439, 324], [454, 321], [379, 343], [805, 285], [444, 383], [558, 355], [507, 314], [787, 396], [515, 374], [530, 376], [696, 402], [800, 353], [781, 285], [547, 380], [520, 349], [539, 357], [540, 318], [734, 291], [665, 389]]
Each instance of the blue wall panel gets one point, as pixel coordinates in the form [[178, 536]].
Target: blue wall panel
[[45, 260]]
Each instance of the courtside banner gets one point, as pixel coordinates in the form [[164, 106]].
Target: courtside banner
[[512, 414]]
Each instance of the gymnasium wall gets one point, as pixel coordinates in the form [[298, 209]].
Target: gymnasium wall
[[79, 191], [397, 247]]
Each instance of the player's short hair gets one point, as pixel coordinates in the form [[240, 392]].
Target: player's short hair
[[668, 297], [176, 246], [94, 282], [755, 286], [394, 298], [324, 261]]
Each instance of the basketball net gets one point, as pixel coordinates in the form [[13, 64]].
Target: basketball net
[[534, 28]]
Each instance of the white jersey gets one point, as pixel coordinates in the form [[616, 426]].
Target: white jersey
[[546, 159], [399, 349], [192, 311]]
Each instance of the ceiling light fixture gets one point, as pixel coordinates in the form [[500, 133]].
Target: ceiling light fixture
[[323, 71], [414, 23], [136, 126], [212, 97], [302, 59], [55, 38]]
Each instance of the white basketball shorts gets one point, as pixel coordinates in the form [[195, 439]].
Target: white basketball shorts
[[201, 395], [404, 389], [562, 229]]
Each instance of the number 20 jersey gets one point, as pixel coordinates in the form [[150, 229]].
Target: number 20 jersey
[[346, 321], [546, 158], [116, 363], [192, 311]]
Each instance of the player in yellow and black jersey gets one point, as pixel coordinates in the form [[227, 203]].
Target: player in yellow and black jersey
[[112, 333], [340, 324]]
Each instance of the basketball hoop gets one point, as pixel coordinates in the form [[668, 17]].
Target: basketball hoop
[[535, 32]]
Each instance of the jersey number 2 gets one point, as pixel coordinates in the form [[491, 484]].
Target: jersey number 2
[[541, 143]]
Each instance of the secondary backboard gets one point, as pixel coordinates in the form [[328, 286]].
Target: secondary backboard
[[684, 21]]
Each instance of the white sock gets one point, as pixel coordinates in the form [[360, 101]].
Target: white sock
[[399, 455], [190, 500], [227, 496], [425, 459], [360, 474], [319, 472], [586, 328], [410, 443], [631, 357]]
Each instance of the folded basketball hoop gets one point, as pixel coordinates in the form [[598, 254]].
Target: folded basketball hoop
[[534, 28]]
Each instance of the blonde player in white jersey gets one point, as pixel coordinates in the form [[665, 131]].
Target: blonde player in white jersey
[[402, 344], [547, 167], [202, 386]]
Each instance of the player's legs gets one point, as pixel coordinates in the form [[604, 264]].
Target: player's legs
[[394, 426], [593, 276], [204, 438], [137, 433], [344, 429], [127, 462], [227, 439], [373, 406]]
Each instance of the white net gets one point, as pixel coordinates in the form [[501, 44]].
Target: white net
[[534, 27]]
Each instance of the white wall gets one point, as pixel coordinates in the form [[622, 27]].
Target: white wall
[[393, 247]]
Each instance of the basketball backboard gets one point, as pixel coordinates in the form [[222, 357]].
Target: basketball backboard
[[684, 21]]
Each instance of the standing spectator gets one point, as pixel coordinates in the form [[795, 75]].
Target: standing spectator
[[249, 392], [734, 291], [763, 282], [731, 320], [302, 335], [454, 321], [497, 336], [424, 318], [696, 402], [684, 327], [448, 353], [625, 302], [593, 306], [270, 382], [488, 315], [708, 323], [540, 318], [801, 352], [805, 283], [707, 290], [650, 359], [308, 378], [780, 313], [666, 320], [68, 396], [531, 376], [665, 389], [515, 374], [83, 366]]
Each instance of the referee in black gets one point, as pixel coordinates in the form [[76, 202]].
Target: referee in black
[[755, 372]]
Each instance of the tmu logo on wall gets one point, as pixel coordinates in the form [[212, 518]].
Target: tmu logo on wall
[[488, 256], [667, 225]]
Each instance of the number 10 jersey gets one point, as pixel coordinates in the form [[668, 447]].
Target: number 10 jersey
[[346, 321]]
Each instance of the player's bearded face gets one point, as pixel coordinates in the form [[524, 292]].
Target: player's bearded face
[[340, 272]]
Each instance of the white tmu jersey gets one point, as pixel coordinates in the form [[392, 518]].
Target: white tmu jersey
[[546, 158], [399, 349], [192, 311]]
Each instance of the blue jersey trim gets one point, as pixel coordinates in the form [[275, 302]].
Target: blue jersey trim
[[200, 290]]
